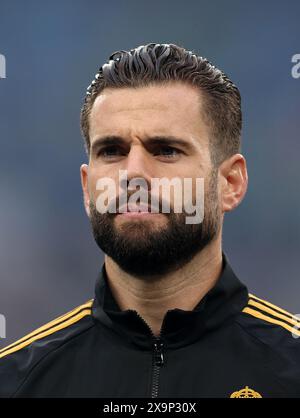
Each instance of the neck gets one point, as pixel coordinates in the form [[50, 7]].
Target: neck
[[183, 288]]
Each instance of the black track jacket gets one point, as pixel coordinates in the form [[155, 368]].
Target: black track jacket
[[232, 344]]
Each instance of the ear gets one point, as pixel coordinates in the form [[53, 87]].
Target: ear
[[84, 173], [234, 182]]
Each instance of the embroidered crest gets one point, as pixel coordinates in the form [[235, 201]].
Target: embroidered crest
[[245, 393]]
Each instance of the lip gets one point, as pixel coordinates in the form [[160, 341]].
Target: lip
[[137, 214], [134, 210], [140, 211]]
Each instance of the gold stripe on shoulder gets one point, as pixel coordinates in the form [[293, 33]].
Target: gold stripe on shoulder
[[294, 330], [291, 320], [48, 325], [272, 306], [47, 332]]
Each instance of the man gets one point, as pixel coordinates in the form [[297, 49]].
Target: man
[[169, 318]]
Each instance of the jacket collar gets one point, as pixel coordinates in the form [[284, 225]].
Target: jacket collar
[[180, 327]]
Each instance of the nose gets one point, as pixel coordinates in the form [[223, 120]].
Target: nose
[[138, 164]]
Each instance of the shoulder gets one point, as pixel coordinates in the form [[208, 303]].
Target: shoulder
[[19, 358], [271, 325]]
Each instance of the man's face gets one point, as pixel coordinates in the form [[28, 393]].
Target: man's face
[[143, 122]]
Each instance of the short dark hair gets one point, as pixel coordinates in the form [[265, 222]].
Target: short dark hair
[[160, 63]]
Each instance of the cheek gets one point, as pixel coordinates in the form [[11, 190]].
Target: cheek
[[98, 178]]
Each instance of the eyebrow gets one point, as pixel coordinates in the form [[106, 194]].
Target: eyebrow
[[169, 140]]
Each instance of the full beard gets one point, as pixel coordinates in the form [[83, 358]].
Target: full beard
[[142, 249]]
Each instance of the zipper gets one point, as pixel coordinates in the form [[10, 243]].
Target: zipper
[[158, 362], [158, 356]]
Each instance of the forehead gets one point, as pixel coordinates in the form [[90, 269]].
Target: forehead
[[162, 109]]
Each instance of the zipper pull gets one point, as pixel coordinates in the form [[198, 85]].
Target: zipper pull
[[159, 357]]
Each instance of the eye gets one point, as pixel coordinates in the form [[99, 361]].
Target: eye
[[168, 152], [110, 152]]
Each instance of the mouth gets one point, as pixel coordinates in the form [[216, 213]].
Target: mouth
[[136, 211]]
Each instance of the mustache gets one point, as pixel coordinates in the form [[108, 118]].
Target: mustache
[[153, 204]]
